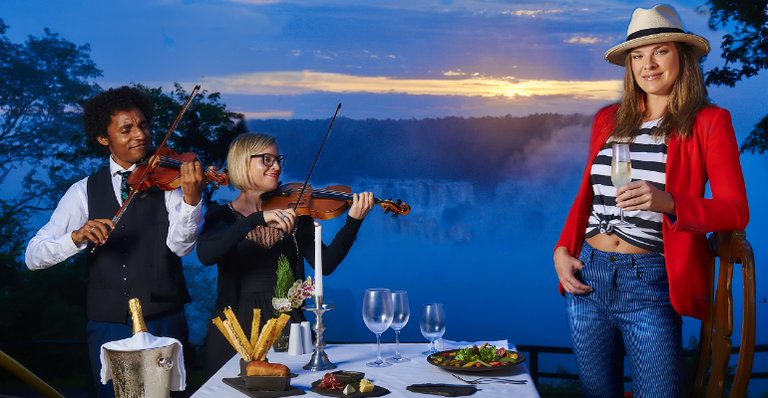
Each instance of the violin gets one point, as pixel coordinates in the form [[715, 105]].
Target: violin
[[166, 173], [322, 204]]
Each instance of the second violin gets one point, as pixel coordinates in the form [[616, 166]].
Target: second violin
[[323, 204]]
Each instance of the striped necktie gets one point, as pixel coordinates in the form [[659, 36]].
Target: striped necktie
[[125, 190]]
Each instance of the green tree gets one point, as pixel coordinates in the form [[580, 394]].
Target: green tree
[[43, 83], [745, 51]]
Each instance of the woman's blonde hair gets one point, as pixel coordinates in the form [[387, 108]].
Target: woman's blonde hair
[[239, 157], [688, 97]]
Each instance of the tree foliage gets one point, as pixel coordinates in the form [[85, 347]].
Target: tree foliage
[[43, 84], [745, 51]]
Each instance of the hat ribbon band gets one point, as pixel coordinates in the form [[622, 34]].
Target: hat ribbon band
[[653, 31]]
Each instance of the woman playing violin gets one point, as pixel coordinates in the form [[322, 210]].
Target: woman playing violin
[[245, 241]]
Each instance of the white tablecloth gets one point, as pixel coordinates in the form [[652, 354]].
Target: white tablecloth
[[394, 378]]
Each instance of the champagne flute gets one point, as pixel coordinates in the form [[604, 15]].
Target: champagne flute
[[401, 314], [621, 173], [377, 315], [432, 324]]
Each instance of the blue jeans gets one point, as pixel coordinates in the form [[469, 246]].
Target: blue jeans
[[629, 308]]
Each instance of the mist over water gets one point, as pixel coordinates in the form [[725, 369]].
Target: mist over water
[[488, 200]]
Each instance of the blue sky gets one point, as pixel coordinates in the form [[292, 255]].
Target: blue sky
[[402, 59]]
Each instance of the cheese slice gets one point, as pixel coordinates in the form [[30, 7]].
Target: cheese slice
[[349, 389], [366, 385]]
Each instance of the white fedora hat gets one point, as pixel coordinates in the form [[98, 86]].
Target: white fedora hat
[[658, 25]]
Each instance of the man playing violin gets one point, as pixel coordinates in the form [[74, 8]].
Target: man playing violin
[[141, 255], [245, 240]]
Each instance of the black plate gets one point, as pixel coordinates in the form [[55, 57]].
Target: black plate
[[446, 390], [377, 391], [239, 384], [520, 359]]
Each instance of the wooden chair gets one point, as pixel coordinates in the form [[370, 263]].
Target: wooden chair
[[715, 337]]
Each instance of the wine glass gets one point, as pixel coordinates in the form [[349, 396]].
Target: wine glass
[[377, 314], [432, 324], [401, 314], [621, 173]]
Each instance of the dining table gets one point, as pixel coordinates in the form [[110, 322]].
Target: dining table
[[395, 378]]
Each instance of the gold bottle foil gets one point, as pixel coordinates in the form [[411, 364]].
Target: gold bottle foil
[[134, 306]]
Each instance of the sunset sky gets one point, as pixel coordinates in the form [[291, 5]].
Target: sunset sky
[[394, 59]]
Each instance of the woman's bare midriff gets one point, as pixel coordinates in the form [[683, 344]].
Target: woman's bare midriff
[[612, 243]]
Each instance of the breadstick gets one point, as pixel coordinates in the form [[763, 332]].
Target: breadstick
[[238, 329], [219, 324], [236, 342], [262, 345], [281, 321], [255, 326]]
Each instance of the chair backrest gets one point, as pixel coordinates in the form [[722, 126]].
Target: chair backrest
[[715, 338]]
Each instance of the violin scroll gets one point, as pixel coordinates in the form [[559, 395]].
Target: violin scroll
[[216, 178], [398, 208]]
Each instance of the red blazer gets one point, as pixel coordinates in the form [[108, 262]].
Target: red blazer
[[711, 154]]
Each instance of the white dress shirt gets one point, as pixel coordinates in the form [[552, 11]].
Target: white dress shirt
[[53, 243]]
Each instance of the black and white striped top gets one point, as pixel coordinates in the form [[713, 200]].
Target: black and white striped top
[[649, 158]]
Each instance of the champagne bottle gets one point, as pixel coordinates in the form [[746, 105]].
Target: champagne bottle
[[134, 306]]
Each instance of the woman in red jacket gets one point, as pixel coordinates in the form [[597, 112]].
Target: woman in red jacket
[[626, 287]]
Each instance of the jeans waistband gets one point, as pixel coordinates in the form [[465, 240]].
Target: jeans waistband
[[619, 259]]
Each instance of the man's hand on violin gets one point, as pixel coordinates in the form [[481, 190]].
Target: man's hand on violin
[[362, 203], [193, 181], [95, 231], [282, 219]]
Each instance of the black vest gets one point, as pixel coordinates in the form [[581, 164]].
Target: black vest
[[135, 261]]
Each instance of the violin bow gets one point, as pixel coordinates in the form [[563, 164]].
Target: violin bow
[[153, 162], [303, 187]]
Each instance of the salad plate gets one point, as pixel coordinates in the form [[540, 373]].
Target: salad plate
[[443, 359]]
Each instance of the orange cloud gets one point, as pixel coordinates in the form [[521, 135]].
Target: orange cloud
[[304, 82]]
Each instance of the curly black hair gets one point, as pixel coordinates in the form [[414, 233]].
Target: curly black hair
[[98, 111]]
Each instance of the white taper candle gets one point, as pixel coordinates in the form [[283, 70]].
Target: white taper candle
[[318, 261]]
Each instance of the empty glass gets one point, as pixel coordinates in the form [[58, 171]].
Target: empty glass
[[432, 324], [401, 314], [377, 315]]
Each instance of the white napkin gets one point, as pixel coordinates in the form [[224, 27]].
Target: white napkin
[[143, 341], [443, 344]]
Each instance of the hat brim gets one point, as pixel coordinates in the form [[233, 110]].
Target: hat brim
[[617, 55]]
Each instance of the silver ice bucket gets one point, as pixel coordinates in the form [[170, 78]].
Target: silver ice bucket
[[143, 373]]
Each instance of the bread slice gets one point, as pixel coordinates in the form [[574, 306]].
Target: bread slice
[[261, 368]]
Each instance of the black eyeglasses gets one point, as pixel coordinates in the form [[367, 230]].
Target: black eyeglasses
[[269, 159]]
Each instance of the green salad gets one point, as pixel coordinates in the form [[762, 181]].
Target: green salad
[[486, 353]]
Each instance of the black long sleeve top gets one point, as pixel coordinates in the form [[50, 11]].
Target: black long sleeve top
[[246, 268]]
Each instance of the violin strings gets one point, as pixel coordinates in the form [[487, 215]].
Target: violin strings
[[342, 195]]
